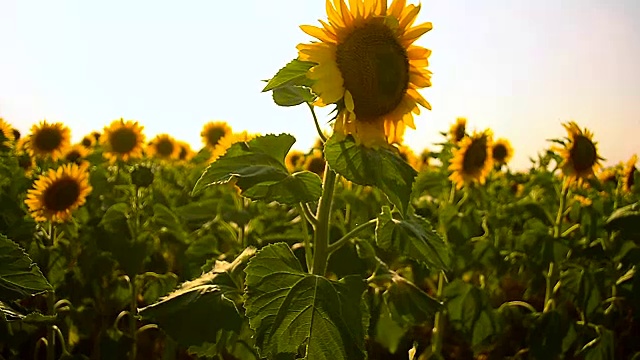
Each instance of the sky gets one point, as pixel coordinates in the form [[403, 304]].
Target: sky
[[520, 67]]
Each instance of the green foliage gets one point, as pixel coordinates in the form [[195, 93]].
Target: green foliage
[[301, 314], [381, 167], [20, 277], [258, 169], [293, 74]]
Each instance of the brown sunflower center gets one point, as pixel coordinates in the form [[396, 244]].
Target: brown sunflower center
[[123, 140], [459, 132], [375, 69], [214, 135], [630, 180], [164, 147], [86, 142], [62, 194], [583, 153], [316, 165], [475, 156], [73, 156], [183, 153], [500, 152], [16, 134], [47, 139]]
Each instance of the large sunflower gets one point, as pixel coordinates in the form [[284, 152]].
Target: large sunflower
[[48, 140], [367, 65], [580, 153], [458, 130], [122, 140], [6, 135], [163, 147], [502, 151], [630, 173], [57, 193], [473, 160], [213, 132]]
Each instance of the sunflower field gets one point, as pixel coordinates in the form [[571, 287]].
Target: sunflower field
[[128, 247]]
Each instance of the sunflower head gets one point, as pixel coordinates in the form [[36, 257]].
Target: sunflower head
[[16, 134], [48, 140], [608, 176], [122, 140], [315, 163], [367, 65], [213, 132], [76, 154], [186, 153], [88, 141], [294, 160], [473, 160], [57, 193], [6, 135], [458, 130], [580, 153], [163, 147], [629, 173], [502, 152]]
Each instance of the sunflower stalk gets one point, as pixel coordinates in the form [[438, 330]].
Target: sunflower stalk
[[133, 301], [557, 228], [321, 234], [315, 121], [305, 230]]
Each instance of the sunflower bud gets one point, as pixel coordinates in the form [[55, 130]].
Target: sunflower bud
[[142, 176]]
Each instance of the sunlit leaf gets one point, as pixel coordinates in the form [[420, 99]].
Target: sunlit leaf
[[20, 277], [294, 73], [292, 95]]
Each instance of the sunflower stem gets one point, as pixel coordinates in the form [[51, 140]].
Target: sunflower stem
[[321, 234], [308, 255], [350, 235], [557, 227], [315, 121]]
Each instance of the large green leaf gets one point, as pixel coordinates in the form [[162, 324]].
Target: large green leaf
[[289, 309], [413, 237], [380, 167], [292, 95], [626, 219], [294, 73], [258, 169], [20, 277], [408, 304]]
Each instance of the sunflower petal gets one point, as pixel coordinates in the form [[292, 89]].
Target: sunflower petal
[[415, 32], [408, 16], [396, 7], [318, 33]]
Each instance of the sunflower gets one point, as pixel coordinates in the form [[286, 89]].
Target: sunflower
[[294, 160], [608, 176], [163, 147], [48, 140], [425, 158], [315, 163], [88, 141], [630, 173], [122, 140], [580, 153], [58, 192], [6, 135], [213, 132], [458, 130], [16, 134], [366, 64], [409, 156], [502, 152], [473, 160], [25, 161], [76, 154], [186, 153], [228, 140]]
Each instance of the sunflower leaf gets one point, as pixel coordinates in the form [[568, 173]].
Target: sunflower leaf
[[408, 304], [20, 277], [294, 73], [381, 167], [292, 95], [414, 238], [257, 168], [289, 309]]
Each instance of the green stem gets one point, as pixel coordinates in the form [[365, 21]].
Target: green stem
[[348, 236], [437, 336], [557, 228], [315, 121], [308, 254], [321, 235], [133, 325], [51, 331], [306, 212]]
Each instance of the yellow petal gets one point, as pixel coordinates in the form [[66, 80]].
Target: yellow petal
[[408, 16], [415, 32], [419, 80], [417, 97], [317, 52], [334, 15], [346, 14], [348, 101], [396, 8], [318, 33], [417, 53]]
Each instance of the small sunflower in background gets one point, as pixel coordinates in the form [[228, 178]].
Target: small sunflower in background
[[25, 161], [608, 176], [57, 193], [473, 160], [407, 154], [225, 143], [458, 130], [369, 68], [425, 159], [583, 201], [6, 135], [580, 153], [315, 163], [122, 140], [163, 147], [502, 152], [48, 140], [213, 132], [629, 173], [294, 160], [76, 154], [186, 153], [88, 141]]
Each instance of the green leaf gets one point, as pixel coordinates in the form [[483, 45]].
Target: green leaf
[[20, 277], [115, 218], [156, 285], [294, 73], [388, 332], [381, 167], [201, 210], [626, 219], [292, 95], [258, 169], [547, 334], [408, 304], [604, 346], [289, 309], [414, 238], [165, 217]]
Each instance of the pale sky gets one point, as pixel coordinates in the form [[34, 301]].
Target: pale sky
[[520, 67]]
